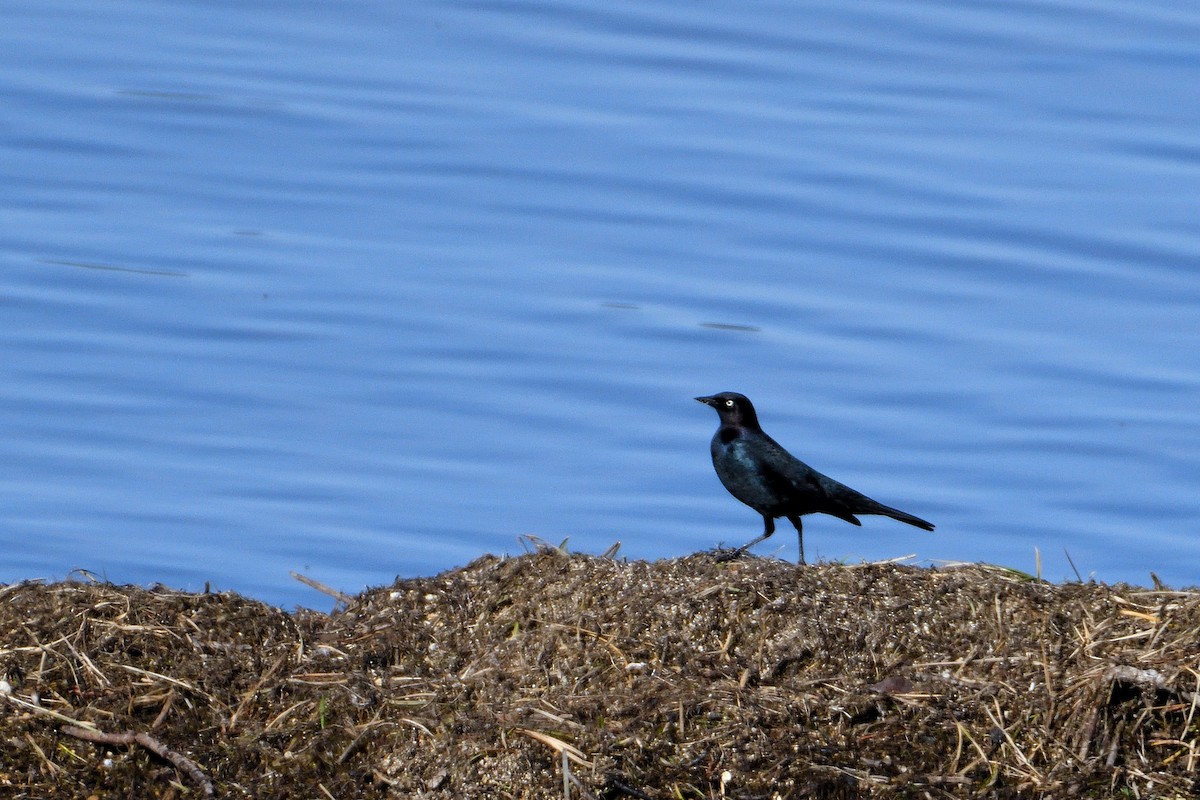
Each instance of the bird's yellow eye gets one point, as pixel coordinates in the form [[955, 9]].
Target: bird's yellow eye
[[729, 404]]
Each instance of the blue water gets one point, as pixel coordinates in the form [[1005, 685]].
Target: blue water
[[364, 290]]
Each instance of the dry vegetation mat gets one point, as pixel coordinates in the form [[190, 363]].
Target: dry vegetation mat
[[552, 675]]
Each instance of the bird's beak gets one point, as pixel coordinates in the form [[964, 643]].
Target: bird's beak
[[708, 401]]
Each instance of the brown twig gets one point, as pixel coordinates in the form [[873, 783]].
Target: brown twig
[[181, 762], [341, 597]]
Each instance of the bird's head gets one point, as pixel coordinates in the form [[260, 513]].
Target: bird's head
[[733, 408]]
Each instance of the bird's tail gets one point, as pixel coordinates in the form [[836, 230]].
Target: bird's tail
[[896, 513]]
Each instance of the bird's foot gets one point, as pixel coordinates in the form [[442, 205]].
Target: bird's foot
[[724, 554]]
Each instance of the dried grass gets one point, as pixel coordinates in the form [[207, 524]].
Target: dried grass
[[533, 676]]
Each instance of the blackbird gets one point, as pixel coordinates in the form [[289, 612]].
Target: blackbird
[[769, 479]]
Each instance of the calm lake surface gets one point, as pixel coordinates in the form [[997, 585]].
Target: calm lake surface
[[370, 289]]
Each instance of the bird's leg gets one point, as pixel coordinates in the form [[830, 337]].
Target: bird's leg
[[795, 520], [768, 529]]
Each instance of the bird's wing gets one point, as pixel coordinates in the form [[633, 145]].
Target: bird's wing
[[815, 491], [787, 475]]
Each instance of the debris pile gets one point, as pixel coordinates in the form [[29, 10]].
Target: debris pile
[[551, 675]]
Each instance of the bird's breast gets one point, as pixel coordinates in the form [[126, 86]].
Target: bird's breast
[[734, 459]]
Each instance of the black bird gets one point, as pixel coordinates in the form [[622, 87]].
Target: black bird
[[769, 479]]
